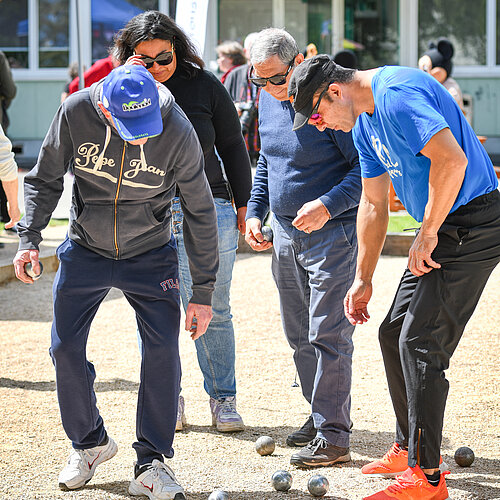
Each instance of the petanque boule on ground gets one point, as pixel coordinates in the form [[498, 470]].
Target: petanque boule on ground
[[267, 233], [265, 445], [464, 456], [318, 485], [28, 268], [281, 480], [218, 495]]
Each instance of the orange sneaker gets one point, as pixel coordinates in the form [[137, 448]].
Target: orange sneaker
[[413, 485], [394, 462]]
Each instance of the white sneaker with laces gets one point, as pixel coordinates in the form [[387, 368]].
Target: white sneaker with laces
[[158, 483], [224, 415], [181, 416], [82, 464]]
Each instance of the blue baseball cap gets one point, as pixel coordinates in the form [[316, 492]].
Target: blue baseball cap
[[130, 94]]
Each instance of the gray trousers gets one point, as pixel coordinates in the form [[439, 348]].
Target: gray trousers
[[313, 273]]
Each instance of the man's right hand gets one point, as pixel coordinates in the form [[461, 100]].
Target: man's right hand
[[253, 235], [21, 259], [356, 302]]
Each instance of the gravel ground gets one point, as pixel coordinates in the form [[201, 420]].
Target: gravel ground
[[33, 446]]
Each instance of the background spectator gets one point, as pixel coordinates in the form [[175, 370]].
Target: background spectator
[[73, 73], [346, 58], [98, 70], [7, 93], [437, 62], [311, 50], [8, 178], [246, 99], [230, 55]]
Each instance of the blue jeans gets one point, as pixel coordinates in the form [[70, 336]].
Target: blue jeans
[[313, 273], [149, 283], [215, 349]]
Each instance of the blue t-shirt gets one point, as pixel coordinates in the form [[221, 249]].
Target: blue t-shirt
[[410, 107]]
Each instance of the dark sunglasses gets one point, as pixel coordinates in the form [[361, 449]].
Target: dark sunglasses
[[163, 59], [274, 80]]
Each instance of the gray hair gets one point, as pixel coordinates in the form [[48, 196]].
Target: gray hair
[[273, 42]]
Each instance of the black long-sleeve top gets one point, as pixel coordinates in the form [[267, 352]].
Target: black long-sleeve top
[[210, 109]]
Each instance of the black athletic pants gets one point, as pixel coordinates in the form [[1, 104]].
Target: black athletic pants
[[427, 319]]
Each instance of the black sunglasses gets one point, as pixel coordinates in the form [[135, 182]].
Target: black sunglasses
[[163, 59], [316, 106], [274, 80]]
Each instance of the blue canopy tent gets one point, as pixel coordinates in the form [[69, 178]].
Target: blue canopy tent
[[108, 16], [113, 13]]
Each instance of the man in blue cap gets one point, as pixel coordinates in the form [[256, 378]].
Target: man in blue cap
[[129, 145]]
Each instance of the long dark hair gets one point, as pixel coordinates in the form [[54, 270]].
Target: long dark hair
[[152, 25]]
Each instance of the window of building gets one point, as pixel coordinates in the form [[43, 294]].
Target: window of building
[[53, 33], [14, 31], [463, 25], [42, 34], [497, 30], [238, 18], [310, 22], [372, 31], [109, 16]]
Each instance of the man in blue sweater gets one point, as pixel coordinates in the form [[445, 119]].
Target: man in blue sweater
[[311, 182], [408, 128]]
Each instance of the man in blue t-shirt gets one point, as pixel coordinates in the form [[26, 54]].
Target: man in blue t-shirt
[[409, 130], [312, 184]]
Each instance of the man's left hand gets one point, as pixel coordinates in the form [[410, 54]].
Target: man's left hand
[[198, 317], [312, 216], [420, 261]]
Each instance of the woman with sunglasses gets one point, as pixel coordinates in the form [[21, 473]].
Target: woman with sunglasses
[[154, 40]]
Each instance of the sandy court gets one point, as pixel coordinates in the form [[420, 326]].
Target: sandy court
[[33, 446]]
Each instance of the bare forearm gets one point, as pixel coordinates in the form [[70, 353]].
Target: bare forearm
[[11, 189], [371, 228]]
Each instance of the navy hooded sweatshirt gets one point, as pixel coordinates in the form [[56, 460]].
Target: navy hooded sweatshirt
[[122, 193]]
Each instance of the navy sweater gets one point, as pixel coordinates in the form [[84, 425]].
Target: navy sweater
[[301, 166]]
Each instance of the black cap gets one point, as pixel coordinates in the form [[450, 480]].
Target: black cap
[[306, 79], [440, 54]]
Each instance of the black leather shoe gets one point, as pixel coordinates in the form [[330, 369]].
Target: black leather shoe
[[304, 435], [320, 453]]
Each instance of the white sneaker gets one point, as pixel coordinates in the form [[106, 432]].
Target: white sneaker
[[181, 417], [82, 464], [158, 483], [224, 415]]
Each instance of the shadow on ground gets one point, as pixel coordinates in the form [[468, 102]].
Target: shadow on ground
[[121, 488], [116, 384]]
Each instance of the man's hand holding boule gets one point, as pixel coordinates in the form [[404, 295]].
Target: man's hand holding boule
[[22, 258], [254, 235], [198, 317]]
